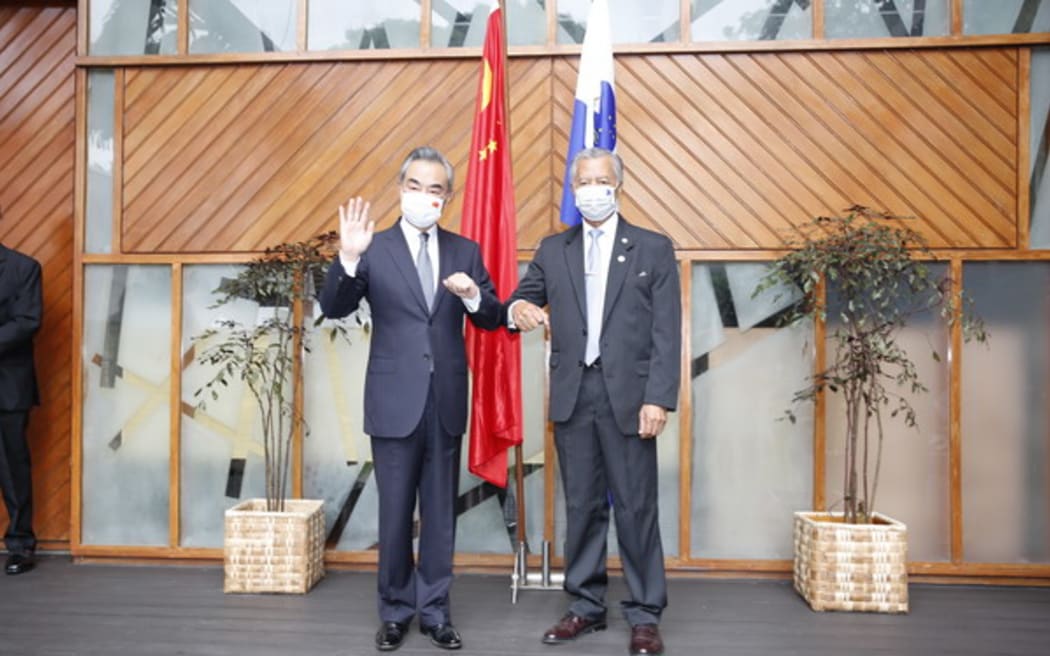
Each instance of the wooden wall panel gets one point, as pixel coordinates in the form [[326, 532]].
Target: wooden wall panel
[[723, 151], [234, 158], [730, 151], [37, 141]]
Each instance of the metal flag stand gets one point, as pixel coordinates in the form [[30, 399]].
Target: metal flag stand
[[521, 578]]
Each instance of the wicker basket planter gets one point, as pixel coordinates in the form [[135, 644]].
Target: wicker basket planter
[[274, 551], [854, 567]]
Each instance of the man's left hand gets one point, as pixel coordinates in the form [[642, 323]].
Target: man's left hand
[[651, 421], [462, 285]]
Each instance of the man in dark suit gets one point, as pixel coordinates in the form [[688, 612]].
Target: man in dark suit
[[615, 323], [416, 383], [20, 310]]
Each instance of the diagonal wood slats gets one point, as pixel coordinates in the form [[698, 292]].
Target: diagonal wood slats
[[722, 151], [729, 151], [37, 141], [235, 158]]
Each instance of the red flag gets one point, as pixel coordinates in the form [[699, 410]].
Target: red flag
[[488, 218]]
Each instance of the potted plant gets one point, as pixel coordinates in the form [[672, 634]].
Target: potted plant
[[871, 271], [273, 544]]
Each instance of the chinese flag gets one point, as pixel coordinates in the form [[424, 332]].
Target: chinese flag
[[488, 218]]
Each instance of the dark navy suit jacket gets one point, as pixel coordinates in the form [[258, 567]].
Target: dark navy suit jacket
[[408, 342], [20, 311]]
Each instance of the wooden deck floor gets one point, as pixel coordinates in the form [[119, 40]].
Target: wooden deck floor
[[64, 609]]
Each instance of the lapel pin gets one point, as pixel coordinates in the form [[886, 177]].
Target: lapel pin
[[621, 259], [623, 240]]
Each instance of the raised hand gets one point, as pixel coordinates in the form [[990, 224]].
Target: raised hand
[[461, 285], [355, 229]]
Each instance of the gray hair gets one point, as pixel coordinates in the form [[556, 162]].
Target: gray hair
[[427, 154], [597, 153]]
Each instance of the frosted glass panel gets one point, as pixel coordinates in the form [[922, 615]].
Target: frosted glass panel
[[337, 455], [1039, 133], [98, 231], [630, 21], [242, 26], [342, 25], [750, 471], [1005, 421], [1005, 16], [846, 19], [751, 20], [126, 427], [222, 453], [133, 27], [914, 486], [457, 23]]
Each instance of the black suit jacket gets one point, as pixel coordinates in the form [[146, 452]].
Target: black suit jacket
[[20, 310], [407, 341], [641, 328]]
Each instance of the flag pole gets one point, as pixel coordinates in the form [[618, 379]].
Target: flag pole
[[521, 553]]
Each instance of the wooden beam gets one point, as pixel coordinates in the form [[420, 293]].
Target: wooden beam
[[686, 439], [426, 22], [955, 17], [175, 411], [77, 388], [955, 498], [820, 411], [302, 15], [83, 27], [818, 20], [685, 21], [182, 33], [565, 50]]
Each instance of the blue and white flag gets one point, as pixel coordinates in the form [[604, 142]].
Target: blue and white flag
[[594, 110]]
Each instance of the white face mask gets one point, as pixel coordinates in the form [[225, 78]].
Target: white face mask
[[596, 202], [420, 209]]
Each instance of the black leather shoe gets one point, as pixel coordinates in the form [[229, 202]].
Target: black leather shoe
[[19, 564], [390, 635], [443, 635]]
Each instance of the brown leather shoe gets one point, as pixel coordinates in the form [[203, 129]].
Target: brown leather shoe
[[645, 640], [571, 627]]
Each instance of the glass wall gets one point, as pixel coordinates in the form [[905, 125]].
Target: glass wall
[[1005, 16], [857, 19], [242, 26], [136, 27], [913, 485], [126, 366], [221, 441], [751, 20], [339, 25], [132, 27], [337, 455], [1006, 416], [98, 209], [655, 21], [751, 470]]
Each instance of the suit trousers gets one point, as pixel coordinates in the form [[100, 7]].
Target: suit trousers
[[597, 460], [425, 464], [16, 482]]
